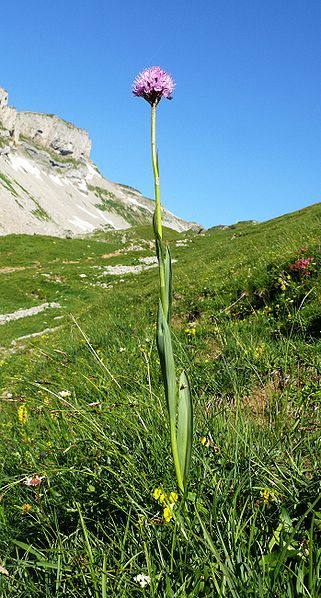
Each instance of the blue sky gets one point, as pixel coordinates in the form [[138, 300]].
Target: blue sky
[[241, 138]]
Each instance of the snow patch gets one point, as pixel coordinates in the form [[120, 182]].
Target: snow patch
[[102, 215], [87, 211], [82, 224], [23, 165], [82, 187], [56, 179], [91, 173]]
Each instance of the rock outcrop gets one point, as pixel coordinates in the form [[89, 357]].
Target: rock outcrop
[[49, 185], [46, 130]]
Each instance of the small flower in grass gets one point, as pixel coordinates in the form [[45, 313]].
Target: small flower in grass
[[302, 265], [4, 571], [167, 502], [259, 350], [159, 495], [26, 507], [152, 84], [33, 481], [22, 414], [205, 441], [190, 330], [156, 493], [168, 514], [64, 394], [267, 496], [173, 498], [143, 580], [283, 282]]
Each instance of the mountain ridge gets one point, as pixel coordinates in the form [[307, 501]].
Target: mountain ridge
[[50, 186]]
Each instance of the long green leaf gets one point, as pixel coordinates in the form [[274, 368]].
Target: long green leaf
[[168, 283], [164, 344], [166, 357], [165, 268], [184, 426], [29, 548], [158, 241]]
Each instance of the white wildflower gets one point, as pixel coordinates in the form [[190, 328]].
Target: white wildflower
[[33, 481], [3, 571], [64, 394], [143, 580]]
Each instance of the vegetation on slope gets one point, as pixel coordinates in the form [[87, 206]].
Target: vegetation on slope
[[83, 410], [110, 202]]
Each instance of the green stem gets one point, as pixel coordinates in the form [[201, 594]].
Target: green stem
[[164, 276], [158, 212], [156, 172]]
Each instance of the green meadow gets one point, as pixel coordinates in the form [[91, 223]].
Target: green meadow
[[83, 413]]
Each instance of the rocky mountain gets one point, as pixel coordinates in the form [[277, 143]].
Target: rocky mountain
[[49, 185]]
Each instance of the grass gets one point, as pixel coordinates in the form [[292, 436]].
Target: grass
[[129, 188], [38, 212], [247, 329], [110, 202], [7, 184]]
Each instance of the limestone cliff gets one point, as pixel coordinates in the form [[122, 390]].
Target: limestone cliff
[[49, 185], [46, 130]]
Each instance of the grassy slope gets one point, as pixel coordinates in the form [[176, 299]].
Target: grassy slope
[[247, 328]]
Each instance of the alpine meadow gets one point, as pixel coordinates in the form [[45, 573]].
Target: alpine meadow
[[160, 300], [85, 444]]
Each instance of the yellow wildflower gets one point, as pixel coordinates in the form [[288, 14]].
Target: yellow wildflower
[[173, 497], [167, 502], [205, 441], [282, 283], [162, 498], [267, 496], [22, 414], [167, 514], [190, 331], [26, 507], [157, 493], [259, 350]]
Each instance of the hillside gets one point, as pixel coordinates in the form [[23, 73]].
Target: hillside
[[49, 185], [82, 407]]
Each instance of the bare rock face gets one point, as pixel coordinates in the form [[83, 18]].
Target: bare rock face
[[46, 130], [49, 186], [3, 97]]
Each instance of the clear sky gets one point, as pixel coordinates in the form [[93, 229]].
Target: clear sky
[[241, 138]]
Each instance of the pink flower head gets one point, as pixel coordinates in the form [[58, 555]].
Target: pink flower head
[[33, 481], [153, 84], [302, 264]]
